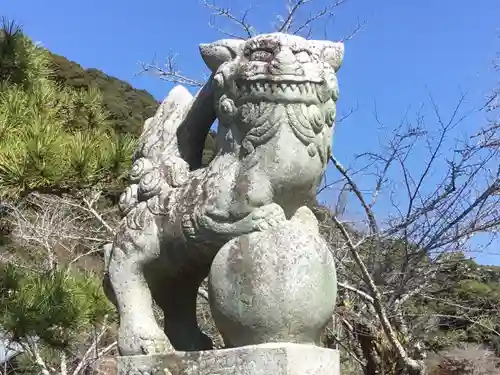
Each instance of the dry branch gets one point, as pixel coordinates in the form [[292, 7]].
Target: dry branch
[[240, 21], [169, 72]]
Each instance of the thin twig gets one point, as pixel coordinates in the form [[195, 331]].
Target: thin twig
[[327, 11], [35, 352], [288, 20], [239, 21], [92, 348], [170, 74], [359, 195], [359, 27], [346, 349], [98, 217], [366, 296]]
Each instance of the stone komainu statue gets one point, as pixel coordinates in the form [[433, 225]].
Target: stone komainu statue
[[274, 97]]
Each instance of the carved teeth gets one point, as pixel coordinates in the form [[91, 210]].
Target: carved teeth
[[305, 88]]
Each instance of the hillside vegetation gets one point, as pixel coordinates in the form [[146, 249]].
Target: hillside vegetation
[[126, 107], [62, 126]]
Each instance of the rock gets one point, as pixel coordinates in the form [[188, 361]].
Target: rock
[[278, 285]]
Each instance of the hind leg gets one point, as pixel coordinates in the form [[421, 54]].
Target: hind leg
[[136, 244], [177, 299]]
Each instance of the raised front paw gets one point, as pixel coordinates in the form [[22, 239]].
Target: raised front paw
[[267, 216], [136, 338]]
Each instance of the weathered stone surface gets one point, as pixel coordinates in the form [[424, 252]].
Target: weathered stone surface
[[274, 96], [275, 359], [278, 285]]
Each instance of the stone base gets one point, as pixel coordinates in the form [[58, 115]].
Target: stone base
[[276, 359]]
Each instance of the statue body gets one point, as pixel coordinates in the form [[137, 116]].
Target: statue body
[[274, 96]]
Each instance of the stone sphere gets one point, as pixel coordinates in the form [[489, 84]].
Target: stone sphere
[[278, 285]]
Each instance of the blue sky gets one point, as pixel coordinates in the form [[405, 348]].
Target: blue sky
[[407, 49]]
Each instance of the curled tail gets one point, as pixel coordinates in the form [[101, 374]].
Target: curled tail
[[164, 155]]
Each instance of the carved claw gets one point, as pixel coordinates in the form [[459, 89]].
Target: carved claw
[[267, 216], [259, 219], [149, 346], [143, 339]]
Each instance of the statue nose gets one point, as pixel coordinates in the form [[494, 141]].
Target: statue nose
[[285, 63]]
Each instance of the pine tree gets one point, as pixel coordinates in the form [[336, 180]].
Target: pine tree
[[52, 138]]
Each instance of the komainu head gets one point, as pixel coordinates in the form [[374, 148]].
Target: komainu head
[[285, 77]]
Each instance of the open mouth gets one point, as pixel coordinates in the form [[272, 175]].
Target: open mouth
[[285, 91]]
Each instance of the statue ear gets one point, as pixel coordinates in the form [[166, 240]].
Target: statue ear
[[332, 53], [217, 53]]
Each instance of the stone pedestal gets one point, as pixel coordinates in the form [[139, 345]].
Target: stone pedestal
[[264, 359]]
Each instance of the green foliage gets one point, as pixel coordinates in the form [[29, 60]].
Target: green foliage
[[21, 63], [52, 137], [464, 300], [468, 289], [63, 128], [54, 306], [127, 107]]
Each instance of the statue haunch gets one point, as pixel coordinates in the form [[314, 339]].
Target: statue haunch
[[274, 96]]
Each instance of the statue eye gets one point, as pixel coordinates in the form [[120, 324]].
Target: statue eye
[[303, 56], [261, 55]]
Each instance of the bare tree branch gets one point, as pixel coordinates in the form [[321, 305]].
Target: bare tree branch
[[357, 192], [32, 347], [292, 8], [241, 21], [377, 301], [89, 204], [359, 27], [287, 22], [85, 360], [366, 296], [435, 215], [169, 72]]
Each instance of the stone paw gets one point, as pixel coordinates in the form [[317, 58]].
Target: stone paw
[[142, 340], [267, 216], [155, 345]]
